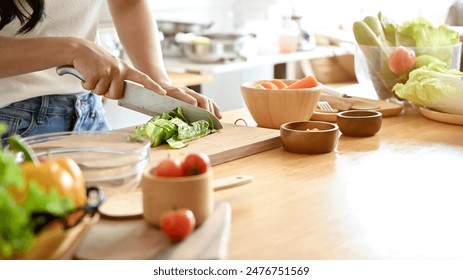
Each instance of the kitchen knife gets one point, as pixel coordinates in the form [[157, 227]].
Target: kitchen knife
[[145, 101]]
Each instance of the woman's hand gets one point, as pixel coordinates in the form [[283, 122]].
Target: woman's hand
[[104, 74], [192, 97]]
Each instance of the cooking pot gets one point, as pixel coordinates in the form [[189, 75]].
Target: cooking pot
[[220, 47], [170, 28]]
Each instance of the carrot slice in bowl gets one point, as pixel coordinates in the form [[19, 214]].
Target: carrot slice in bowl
[[279, 83], [267, 85], [306, 82]]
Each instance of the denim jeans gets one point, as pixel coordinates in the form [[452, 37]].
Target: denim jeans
[[54, 113]]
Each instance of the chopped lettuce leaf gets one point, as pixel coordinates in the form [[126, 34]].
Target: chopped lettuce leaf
[[174, 129], [176, 144]]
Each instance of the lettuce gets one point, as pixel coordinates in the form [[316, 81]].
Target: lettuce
[[435, 87], [428, 39], [423, 34], [431, 84], [20, 221], [174, 129]]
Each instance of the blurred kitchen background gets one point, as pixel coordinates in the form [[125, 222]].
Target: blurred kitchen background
[[260, 39]]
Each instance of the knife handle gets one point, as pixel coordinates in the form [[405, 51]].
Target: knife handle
[[69, 69]]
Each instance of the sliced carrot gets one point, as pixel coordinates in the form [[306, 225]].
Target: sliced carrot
[[279, 83], [306, 82], [268, 85]]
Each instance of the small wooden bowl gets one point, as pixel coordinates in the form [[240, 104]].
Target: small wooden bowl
[[167, 193], [359, 123], [309, 137], [270, 108]]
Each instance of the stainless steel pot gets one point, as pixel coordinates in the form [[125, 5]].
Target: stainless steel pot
[[170, 47], [170, 28], [222, 47]]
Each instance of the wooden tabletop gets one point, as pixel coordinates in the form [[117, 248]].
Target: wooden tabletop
[[396, 195], [189, 79]]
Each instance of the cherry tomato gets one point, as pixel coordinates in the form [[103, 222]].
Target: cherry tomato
[[194, 164], [178, 224], [169, 168]]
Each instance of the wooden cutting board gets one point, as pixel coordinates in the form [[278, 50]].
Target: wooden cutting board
[[230, 143], [134, 239]]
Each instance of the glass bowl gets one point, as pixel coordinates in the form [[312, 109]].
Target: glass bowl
[[373, 72], [113, 161]]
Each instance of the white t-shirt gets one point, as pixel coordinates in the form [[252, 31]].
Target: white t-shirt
[[63, 18]]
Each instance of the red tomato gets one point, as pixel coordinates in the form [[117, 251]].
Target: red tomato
[[194, 164], [178, 224], [169, 168]]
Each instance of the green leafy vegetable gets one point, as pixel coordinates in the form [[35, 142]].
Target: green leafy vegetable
[[17, 225], [434, 86], [417, 32], [430, 44], [421, 33], [174, 129], [389, 30]]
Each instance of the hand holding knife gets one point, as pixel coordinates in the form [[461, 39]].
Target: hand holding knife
[[145, 101]]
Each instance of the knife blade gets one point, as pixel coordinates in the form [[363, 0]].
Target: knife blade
[[145, 101]]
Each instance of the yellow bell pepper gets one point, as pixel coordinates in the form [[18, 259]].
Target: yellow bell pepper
[[61, 173]]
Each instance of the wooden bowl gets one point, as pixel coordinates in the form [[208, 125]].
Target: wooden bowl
[[359, 123], [272, 108], [168, 193], [309, 137]]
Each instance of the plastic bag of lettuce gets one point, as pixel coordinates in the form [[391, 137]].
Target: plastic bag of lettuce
[[174, 129]]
